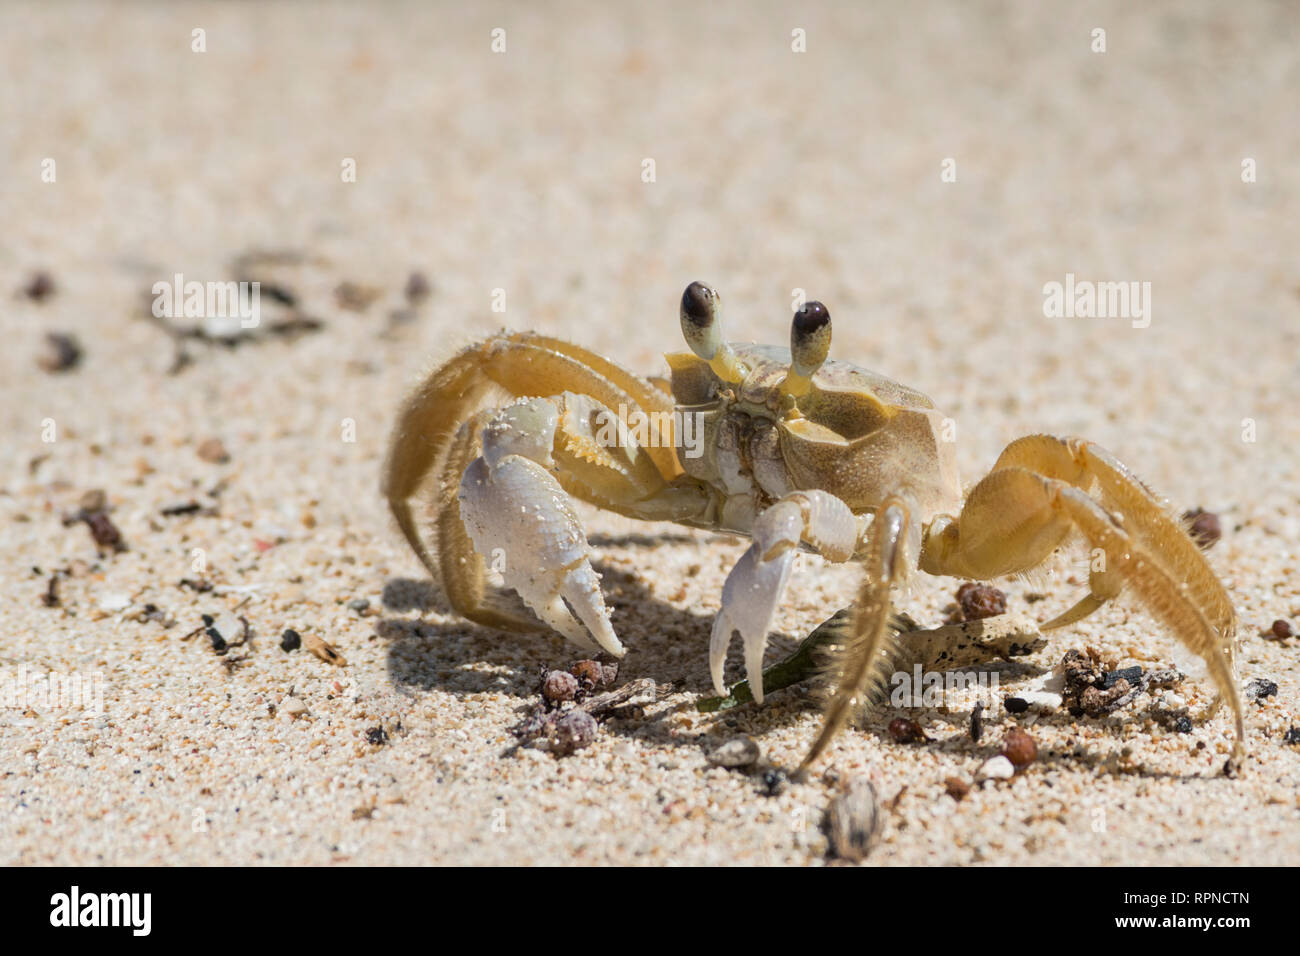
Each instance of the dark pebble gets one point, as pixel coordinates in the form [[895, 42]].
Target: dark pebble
[[559, 686], [980, 601], [774, 782], [1203, 527], [574, 730], [290, 640], [1019, 748], [906, 731], [376, 736], [417, 288], [588, 672], [1260, 688], [40, 287], [1292, 736], [1016, 705], [62, 353], [1183, 725], [1281, 630], [103, 530]]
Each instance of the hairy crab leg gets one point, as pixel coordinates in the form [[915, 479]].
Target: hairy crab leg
[[1015, 516], [429, 443], [858, 664]]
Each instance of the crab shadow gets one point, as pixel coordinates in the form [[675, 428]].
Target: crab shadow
[[669, 645], [665, 643]]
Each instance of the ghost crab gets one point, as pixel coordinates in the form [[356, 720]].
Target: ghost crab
[[799, 453]]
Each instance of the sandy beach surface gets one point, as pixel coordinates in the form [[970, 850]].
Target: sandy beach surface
[[243, 478]]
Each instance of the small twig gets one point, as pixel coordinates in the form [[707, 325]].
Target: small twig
[[602, 703]]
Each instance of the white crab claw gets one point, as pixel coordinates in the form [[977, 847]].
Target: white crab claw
[[515, 510], [753, 591]]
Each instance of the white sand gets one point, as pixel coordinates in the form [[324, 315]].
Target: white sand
[[522, 171]]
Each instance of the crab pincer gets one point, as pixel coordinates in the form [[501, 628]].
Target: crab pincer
[[513, 506], [756, 584]]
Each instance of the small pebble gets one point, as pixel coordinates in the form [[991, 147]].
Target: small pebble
[[213, 450], [1015, 705], [905, 731], [1019, 748], [233, 629], [1042, 699], [956, 787], [1292, 736], [61, 353], [1203, 527], [376, 736], [559, 686], [1259, 688], [1183, 725], [417, 288], [323, 649], [294, 707], [980, 601], [574, 730], [995, 768], [742, 751], [359, 605], [589, 671], [114, 602], [774, 782], [290, 640], [104, 531], [1280, 630], [854, 822], [39, 287], [354, 296]]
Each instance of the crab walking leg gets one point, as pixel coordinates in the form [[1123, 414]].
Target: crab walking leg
[[511, 504], [757, 582], [859, 665], [521, 364], [1009, 522], [1145, 517]]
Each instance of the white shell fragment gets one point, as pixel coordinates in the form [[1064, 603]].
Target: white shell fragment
[[995, 768], [742, 751], [1041, 699], [854, 822]]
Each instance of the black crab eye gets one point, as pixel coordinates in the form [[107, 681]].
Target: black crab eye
[[700, 325], [699, 304], [810, 339]]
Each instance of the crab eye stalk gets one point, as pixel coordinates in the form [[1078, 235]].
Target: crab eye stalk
[[702, 329], [810, 343]]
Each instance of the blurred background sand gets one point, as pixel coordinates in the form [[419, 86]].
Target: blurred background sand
[[522, 171]]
